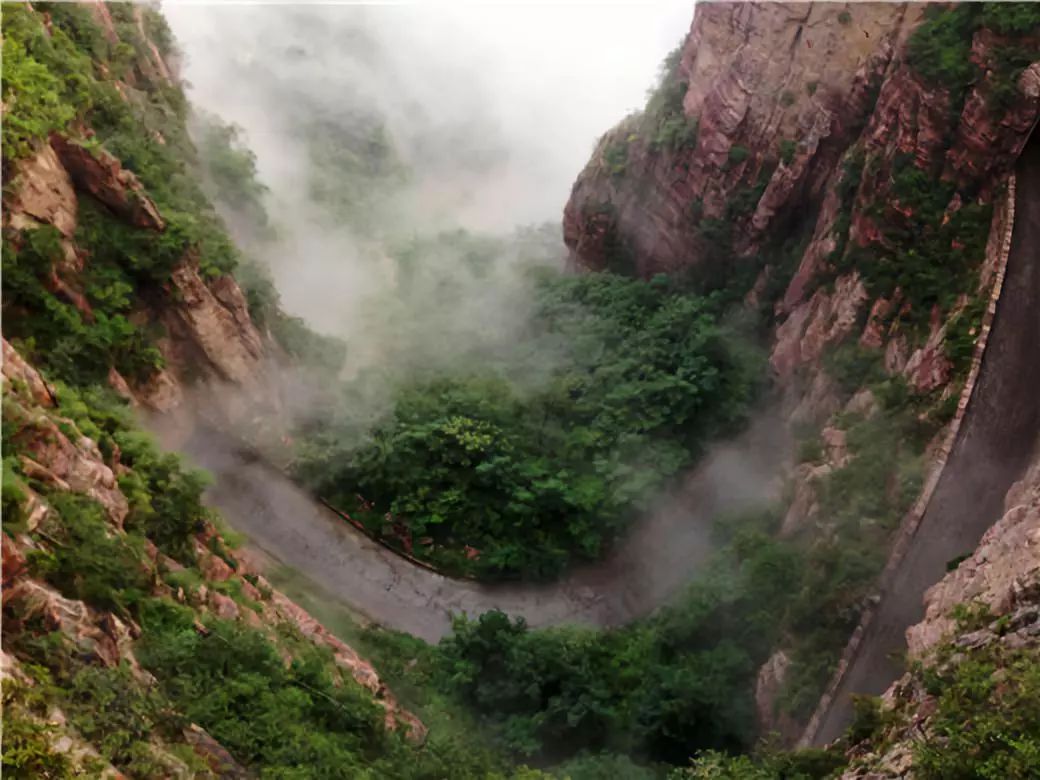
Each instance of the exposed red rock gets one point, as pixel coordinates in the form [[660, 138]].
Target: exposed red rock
[[43, 192], [102, 175], [15, 369], [66, 465], [748, 68]]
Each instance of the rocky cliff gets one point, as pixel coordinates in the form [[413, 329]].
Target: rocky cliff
[[844, 170], [68, 601], [827, 123], [106, 228], [118, 281], [969, 657]]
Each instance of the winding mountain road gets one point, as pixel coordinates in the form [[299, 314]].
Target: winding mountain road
[[994, 444], [661, 553]]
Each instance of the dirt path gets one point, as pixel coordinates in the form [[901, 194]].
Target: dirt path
[[662, 552], [995, 441]]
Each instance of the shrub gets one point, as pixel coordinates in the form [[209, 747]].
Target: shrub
[[940, 47], [615, 157], [987, 721], [85, 562], [44, 81], [853, 366], [531, 478], [1011, 18], [737, 154]]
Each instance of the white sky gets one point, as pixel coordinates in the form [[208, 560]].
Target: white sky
[[553, 76]]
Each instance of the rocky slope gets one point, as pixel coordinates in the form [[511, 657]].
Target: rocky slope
[[105, 224], [972, 655], [822, 161], [209, 333], [835, 138], [56, 459], [117, 282]]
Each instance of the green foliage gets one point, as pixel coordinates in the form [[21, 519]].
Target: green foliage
[[676, 133], [665, 99], [679, 681], [158, 31], [1011, 18], [165, 498], [44, 86], [794, 765], [57, 334], [13, 495], [109, 707], [962, 332], [929, 255], [355, 170], [854, 366], [987, 722], [28, 745], [231, 167], [845, 18], [603, 765], [532, 478], [863, 501], [313, 350], [65, 72], [940, 47], [868, 718], [664, 122], [787, 150], [787, 98], [86, 560], [300, 720], [233, 683], [615, 158], [737, 154]]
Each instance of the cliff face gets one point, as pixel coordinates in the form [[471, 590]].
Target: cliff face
[[106, 229], [56, 461], [816, 121], [844, 170], [117, 275], [748, 78], [209, 334]]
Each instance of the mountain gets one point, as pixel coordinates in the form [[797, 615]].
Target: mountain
[[853, 187]]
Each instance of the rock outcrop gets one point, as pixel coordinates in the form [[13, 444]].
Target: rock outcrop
[[210, 327], [990, 604], [786, 100], [64, 460], [755, 75], [101, 175], [1002, 575], [43, 193], [209, 332]]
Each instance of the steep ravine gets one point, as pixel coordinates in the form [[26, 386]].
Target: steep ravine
[[996, 439], [657, 557]]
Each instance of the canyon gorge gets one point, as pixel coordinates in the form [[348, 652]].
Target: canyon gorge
[[729, 469]]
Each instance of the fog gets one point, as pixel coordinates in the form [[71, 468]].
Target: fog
[[441, 116], [533, 85]]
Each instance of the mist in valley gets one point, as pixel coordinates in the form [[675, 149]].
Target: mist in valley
[[375, 125], [400, 173]]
